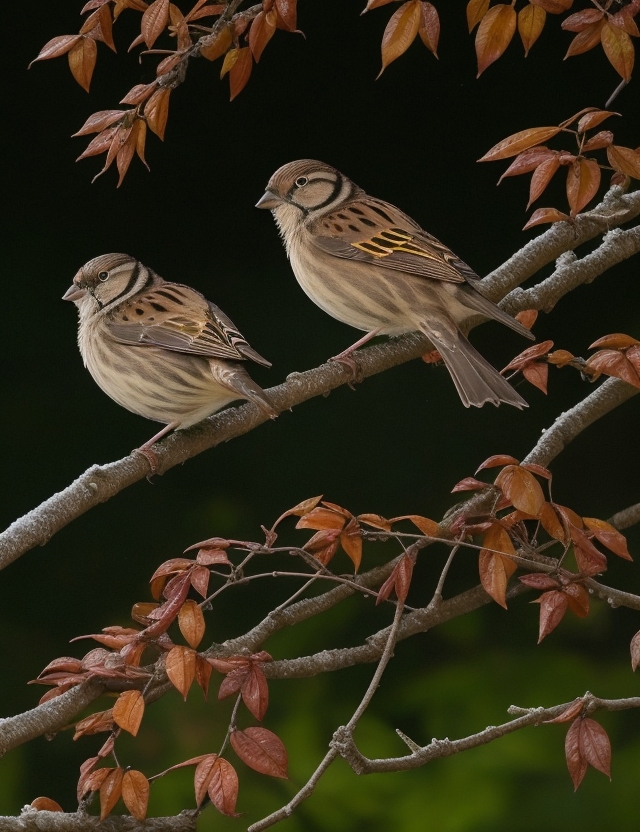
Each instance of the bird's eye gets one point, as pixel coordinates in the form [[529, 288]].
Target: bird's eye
[[102, 276], [301, 181]]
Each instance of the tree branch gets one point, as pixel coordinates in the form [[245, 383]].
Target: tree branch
[[32, 820]]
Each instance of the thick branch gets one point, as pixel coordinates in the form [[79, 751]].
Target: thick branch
[[32, 820]]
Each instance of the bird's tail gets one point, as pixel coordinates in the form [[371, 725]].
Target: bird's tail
[[475, 379]]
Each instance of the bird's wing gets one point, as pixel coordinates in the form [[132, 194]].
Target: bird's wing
[[180, 319], [377, 233]]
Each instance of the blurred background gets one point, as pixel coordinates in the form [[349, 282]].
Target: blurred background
[[395, 445]]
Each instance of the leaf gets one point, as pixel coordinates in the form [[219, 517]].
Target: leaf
[[135, 793], [615, 341], [261, 750], [240, 72], [580, 20], [399, 580], [98, 121], [551, 524], [351, 542], [223, 787], [595, 746], [553, 605], [181, 668], [46, 804], [154, 20], [203, 674], [494, 34], [110, 791], [543, 215], [537, 374], [429, 29], [609, 536], [518, 142], [528, 160], [286, 10], [129, 710], [578, 599], [589, 559], [618, 48], [539, 580], [497, 460], [469, 484], [635, 652], [476, 10], [625, 160], [593, 119], [202, 776], [585, 40], [602, 139], [521, 488], [573, 710], [261, 31], [583, 181], [156, 112], [99, 27], [191, 622], [495, 570], [374, 4], [82, 60], [400, 32], [375, 520], [542, 175], [560, 358], [321, 518], [614, 363], [428, 527], [56, 47], [576, 762], [554, 6], [255, 691], [219, 45], [531, 20]]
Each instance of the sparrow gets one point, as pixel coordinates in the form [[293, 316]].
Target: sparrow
[[366, 263], [160, 349]]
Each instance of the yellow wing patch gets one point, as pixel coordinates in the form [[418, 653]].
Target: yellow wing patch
[[393, 240]]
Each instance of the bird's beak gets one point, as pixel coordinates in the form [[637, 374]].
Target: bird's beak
[[74, 293], [269, 200]]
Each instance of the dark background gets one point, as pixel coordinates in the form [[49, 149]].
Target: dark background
[[395, 445]]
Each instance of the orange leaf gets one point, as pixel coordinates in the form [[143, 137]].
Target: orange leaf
[[578, 599], [619, 49], [602, 139], [625, 160], [528, 160], [580, 20], [531, 20], [223, 787], [46, 804], [551, 524], [135, 793], [527, 317], [287, 12], [110, 791], [129, 710], [495, 570], [518, 142], [351, 542], [400, 32], [240, 71], [191, 622], [469, 484], [521, 488], [494, 35], [428, 527], [476, 10], [261, 750], [375, 520], [615, 341], [261, 31], [609, 536], [321, 518], [219, 45], [543, 215], [181, 668], [156, 112], [82, 60], [55, 47], [554, 6], [537, 374], [614, 363], [583, 181], [553, 605], [429, 29], [593, 119], [154, 20], [585, 40], [542, 175]]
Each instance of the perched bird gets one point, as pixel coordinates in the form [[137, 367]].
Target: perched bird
[[369, 265], [160, 349]]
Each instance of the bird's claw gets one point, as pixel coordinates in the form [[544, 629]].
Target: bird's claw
[[151, 457], [347, 360]]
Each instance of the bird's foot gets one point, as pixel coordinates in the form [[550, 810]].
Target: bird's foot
[[346, 359]]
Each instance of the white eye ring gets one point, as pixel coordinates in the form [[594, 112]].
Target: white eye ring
[[103, 276], [301, 181]]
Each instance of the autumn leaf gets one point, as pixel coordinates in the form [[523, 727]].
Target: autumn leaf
[[56, 47], [399, 580], [625, 160], [495, 569], [518, 142], [191, 622], [261, 750], [46, 804], [82, 61], [156, 112], [585, 40], [618, 48], [531, 20], [579, 21], [609, 536], [476, 10], [521, 488], [223, 787], [129, 710], [261, 31], [135, 793], [494, 34], [429, 29], [544, 215], [583, 181], [154, 20], [110, 791], [541, 177], [553, 605], [400, 32], [181, 668]]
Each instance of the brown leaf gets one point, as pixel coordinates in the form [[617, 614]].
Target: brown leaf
[[539, 580], [476, 10], [191, 622], [286, 10], [553, 605], [129, 710], [593, 119], [531, 20], [154, 20], [496, 461], [576, 762], [262, 30], [602, 139], [46, 804], [624, 19], [544, 215], [521, 488], [156, 112], [518, 142], [399, 580], [469, 484], [261, 750], [573, 710], [223, 787], [94, 724], [200, 575], [609, 536], [110, 791], [56, 47], [400, 32], [551, 524], [635, 652], [321, 518], [351, 542], [135, 793], [240, 72], [554, 6], [585, 40], [537, 374], [542, 175], [560, 358], [615, 341], [595, 746], [181, 668], [375, 520], [202, 776], [494, 34], [614, 363], [255, 691], [589, 559], [203, 674], [580, 20], [583, 181], [495, 570], [625, 160], [82, 60], [219, 45], [528, 160], [578, 599], [98, 121], [429, 29], [99, 27], [618, 48], [428, 527]]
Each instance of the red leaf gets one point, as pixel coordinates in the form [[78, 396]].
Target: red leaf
[[494, 34], [261, 31], [580, 20], [576, 762], [595, 746], [583, 181], [539, 580], [223, 787], [255, 692], [154, 20], [261, 750], [609, 536], [614, 363], [56, 47], [573, 710], [543, 215], [400, 32], [553, 605]]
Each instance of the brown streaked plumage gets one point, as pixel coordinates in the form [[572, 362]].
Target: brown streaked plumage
[[159, 349], [369, 265]]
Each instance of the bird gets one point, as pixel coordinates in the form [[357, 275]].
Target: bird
[[366, 263], [159, 349]]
